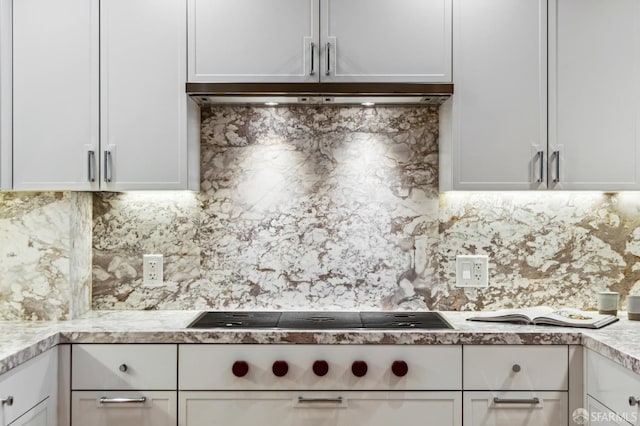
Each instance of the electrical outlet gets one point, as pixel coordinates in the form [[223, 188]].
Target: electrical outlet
[[472, 271], [152, 267]]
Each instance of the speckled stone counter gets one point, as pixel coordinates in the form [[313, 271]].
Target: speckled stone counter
[[20, 341]]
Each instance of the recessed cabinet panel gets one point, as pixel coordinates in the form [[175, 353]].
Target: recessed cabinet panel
[[145, 408], [386, 40], [320, 408], [55, 94], [594, 69], [515, 408], [246, 40], [143, 103], [497, 137]]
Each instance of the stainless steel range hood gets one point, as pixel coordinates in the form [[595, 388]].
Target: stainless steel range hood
[[319, 93]]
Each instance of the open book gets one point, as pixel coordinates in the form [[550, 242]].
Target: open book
[[545, 315]]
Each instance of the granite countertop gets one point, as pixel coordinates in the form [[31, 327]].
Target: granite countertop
[[21, 341]]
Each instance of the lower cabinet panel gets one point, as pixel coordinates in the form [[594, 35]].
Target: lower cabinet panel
[[599, 415], [158, 409], [42, 414], [285, 408], [480, 409]]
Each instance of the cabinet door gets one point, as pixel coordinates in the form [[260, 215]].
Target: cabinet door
[[6, 155], [157, 409], [501, 409], [253, 41], [599, 415], [594, 90], [55, 94], [319, 408], [42, 414], [143, 100], [386, 40], [496, 134]]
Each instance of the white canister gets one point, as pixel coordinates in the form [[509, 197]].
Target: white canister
[[608, 302], [633, 307]]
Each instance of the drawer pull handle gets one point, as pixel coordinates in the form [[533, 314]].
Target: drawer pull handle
[[123, 368], [516, 368], [534, 400], [302, 399], [7, 401], [633, 401], [105, 400]]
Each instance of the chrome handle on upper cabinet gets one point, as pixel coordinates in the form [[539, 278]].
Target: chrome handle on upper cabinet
[[556, 155], [534, 400], [7, 401], [105, 400], [302, 399], [633, 401], [313, 55], [328, 59], [107, 166], [541, 159], [91, 166]]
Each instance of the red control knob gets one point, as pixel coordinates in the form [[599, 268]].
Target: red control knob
[[320, 368], [240, 368], [280, 368], [399, 368], [359, 368]]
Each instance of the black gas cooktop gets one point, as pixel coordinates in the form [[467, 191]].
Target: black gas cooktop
[[318, 320]]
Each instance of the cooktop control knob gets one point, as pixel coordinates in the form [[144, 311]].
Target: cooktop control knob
[[240, 368], [321, 368], [359, 368], [399, 368], [280, 368]]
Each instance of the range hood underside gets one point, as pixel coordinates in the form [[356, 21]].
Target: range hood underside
[[319, 93]]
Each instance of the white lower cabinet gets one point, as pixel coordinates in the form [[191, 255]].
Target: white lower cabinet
[[612, 389], [282, 408], [599, 415], [29, 392], [515, 408], [123, 408], [522, 385]]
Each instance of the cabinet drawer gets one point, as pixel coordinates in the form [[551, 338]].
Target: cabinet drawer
[[29, 384], [155, 408], [612, 385], [505, 408], [148, 367], [516, 367], [209, 367]]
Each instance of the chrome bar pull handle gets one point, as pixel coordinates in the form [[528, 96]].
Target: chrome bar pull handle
[[633, 401], [107, 166], [8, 401], [541, 160], [313, 55], [328, 59], [91, 166], [302, 399], [556, 155], [534, 400], [105, 400]]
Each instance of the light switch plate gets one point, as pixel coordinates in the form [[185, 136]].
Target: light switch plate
[[472, 271]]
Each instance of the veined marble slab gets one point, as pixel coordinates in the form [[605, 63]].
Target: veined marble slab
[[22, 340]]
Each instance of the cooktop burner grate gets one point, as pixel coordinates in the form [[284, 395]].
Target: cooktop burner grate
[[320, 320]]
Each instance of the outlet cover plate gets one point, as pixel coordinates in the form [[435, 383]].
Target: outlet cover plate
[[152, 270], [472, 271]]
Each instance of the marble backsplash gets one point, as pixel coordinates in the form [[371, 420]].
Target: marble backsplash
[[45, 255], [338, 208]]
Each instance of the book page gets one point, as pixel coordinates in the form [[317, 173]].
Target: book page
[[523, 314], [572, 316]]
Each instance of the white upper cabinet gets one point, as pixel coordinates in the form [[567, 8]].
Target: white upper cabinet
[[493, 129], [55, 94], [386, 40], [248, 40], [319, 40], [5, 95], [143, 100], [594, 94]]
